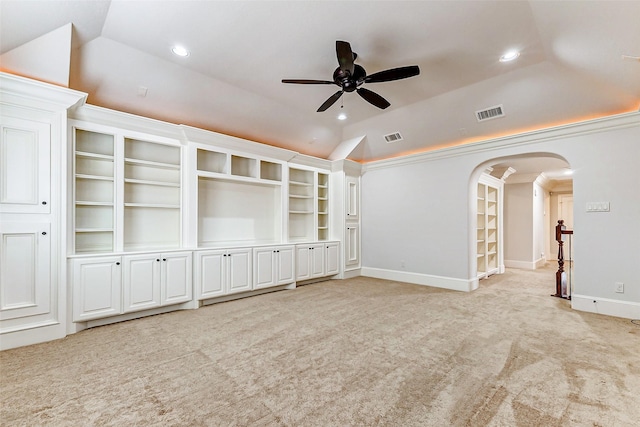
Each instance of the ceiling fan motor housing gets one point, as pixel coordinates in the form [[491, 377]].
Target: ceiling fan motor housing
[[347, 81]]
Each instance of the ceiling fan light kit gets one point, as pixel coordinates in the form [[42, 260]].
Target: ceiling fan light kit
[[350, 76]]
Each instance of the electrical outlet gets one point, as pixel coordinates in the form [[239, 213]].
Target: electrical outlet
[[620, 287]]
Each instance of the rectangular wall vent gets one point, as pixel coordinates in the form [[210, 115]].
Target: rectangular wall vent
[[393, 137], [490, 113]]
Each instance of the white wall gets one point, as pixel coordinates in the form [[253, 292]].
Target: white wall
[[419, 209], [518, 225]]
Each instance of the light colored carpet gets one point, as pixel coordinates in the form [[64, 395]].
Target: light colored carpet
[[359, 352]]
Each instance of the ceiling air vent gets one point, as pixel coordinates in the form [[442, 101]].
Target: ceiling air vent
[[393, 137], [490, 113]]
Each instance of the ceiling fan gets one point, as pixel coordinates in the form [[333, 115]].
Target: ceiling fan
[[350, 77]]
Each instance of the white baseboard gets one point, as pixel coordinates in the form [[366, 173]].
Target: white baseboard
[[465, 285], [524, 265], [33, 335], [609, 307]]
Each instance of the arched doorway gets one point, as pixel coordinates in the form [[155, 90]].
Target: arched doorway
[[534, 192]]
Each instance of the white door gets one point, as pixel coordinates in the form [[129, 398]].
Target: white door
[[97, 287], [286, 265], [176, 285], [210, 274], [332, 258], [25, 270], [25, 169], [141, 282], [239, 271]]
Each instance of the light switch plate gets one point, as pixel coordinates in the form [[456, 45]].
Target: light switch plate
[[597, 206]]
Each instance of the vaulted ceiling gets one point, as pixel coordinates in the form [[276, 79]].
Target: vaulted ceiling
[[571, 65]]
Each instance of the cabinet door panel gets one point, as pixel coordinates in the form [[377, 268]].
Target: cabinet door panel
[[264, 267], [317, 261], [176, 278], [303, 265], [25, 166], [352, 198], [141, 282], [286, 265], [97, 286], [25, 276], [239, 269], [352, 246], [333, 258], [210, 274]]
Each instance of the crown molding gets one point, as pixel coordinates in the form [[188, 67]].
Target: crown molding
[[25, 92], [601, 124]]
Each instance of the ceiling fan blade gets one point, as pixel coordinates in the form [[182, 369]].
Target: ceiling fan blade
[[308, 82], [345, 56], [329, 102], [393, 74], [373, 98]]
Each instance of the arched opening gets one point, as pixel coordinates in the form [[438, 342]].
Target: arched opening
[[515, 203]]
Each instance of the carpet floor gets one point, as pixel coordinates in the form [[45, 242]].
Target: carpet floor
[[356, 352]]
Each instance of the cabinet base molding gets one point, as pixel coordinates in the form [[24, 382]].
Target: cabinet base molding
[[138, 314], [350, 274], [316, 280], [32, 334], [239, 295], [454, 284], [606, 306]]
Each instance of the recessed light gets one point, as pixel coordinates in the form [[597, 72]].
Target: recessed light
[[568, 172], [180, 51], [509, 56]]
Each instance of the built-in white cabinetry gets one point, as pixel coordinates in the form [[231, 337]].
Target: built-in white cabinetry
[[308, 205], [488, 226], [111, 285], [33, 125], [25, 166], [317, 260], [273, 266], [239, 199], [126, 188], [222, 272]]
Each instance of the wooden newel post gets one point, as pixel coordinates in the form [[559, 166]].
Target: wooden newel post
[[560, 274]]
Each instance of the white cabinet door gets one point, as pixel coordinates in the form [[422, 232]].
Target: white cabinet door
[[265, 268], [222, 272], [25, 273], [97, 284], [176, 283], [317, 260], [303, 263], [239, 271], [286, 265], [353, 198], [141, 282], [25, 166], [352, 246], [210, 274], [332, 254], [273, 266]]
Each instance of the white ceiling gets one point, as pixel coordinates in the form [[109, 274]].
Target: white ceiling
[[570, 67]]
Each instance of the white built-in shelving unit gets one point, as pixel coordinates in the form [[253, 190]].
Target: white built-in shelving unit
[[487, 230]]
